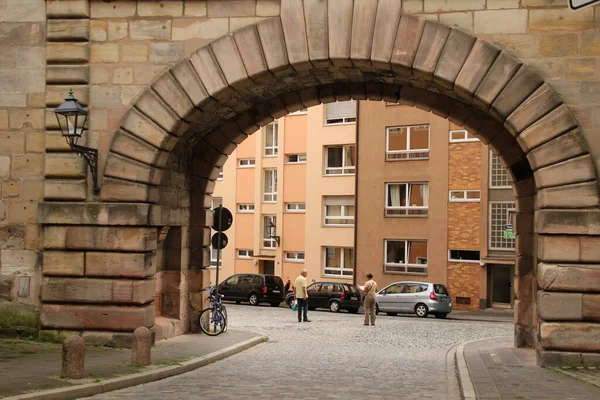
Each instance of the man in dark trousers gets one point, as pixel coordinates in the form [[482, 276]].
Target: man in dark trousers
[[301, 296]]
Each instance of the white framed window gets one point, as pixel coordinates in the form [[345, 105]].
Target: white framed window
[[407, 143], [271, 139], [300, 112], [270, 193], [268, 242], [340, 112], [245, 208], [405, 256], [501, 214], [339, 211], [462, 135], [213, 258], [340, 160], [462, 196], [294, 256], [338, 261], [295, 158], [406, 199], [246, 162], [499, 178], [220, 176], [244, 253], [464, 256], [295, 207], [216, 202]]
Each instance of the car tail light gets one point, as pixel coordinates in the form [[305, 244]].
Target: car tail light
[[343, 296], [432, 296], [264, 289]]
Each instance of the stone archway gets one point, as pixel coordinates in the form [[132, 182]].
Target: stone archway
[[183, 127]]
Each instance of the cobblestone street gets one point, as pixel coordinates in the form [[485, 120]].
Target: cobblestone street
[[334, 356]]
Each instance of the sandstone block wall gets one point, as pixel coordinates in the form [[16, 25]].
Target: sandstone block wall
[[22, 145]]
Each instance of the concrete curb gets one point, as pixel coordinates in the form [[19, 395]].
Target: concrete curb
[[464, 377], [467, 389], [91, 389]]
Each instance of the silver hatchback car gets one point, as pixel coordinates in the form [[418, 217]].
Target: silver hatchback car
[[421, 298]]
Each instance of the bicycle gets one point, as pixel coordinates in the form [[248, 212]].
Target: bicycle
[[213, 320]]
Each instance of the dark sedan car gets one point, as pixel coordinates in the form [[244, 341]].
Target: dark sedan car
[[332, 295]]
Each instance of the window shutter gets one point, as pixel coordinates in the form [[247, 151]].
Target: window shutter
[[343, 109], [339, 201]]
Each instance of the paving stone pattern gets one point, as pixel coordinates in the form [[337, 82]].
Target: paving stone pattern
[[334, 356], [499, 371]]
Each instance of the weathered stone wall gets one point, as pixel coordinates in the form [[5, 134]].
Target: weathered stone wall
[[22, 141]]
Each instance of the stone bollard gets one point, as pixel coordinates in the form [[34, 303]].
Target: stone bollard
[[73, 354], [141, 349]]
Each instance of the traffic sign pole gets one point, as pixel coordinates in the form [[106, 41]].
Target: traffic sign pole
[[218, 251]]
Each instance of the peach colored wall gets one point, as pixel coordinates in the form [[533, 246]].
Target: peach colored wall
[[294, 184], [291, 270], [244, 232], [245, 267], [295, 134], [247, 149], [374, 172], [317, 236], [245, 185], [293, 232]]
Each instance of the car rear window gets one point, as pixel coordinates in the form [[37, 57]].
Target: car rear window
[[350, 288], [440, 289], [273, 280]]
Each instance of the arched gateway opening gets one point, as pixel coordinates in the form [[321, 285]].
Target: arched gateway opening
[[164, 160]]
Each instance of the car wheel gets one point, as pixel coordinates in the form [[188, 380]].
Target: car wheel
[[441, 316], [392, 314], [353, 310], [275, 304], [376, 309], [238, 302], [335, 306], [253, 299], [421, 310]]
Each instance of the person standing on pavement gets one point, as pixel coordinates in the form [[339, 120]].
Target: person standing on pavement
[[369, 289], [301, 296]]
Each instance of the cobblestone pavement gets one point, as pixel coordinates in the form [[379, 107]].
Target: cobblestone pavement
[[334, 356]]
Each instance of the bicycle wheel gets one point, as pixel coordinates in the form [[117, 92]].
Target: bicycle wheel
[[224, 311], [212, 322]]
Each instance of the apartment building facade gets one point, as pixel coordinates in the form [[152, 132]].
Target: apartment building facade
[[298, 175], [433, 204]]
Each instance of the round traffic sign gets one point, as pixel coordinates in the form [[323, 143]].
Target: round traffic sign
[[222, 219], [215, 241]]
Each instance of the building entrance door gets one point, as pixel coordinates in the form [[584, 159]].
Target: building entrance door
[[501, 292], [268, 267]]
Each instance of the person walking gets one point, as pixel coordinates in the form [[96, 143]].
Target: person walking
[[301, 296], [369, 289]]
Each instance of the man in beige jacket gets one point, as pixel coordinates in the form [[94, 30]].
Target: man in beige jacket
[[369, 289]]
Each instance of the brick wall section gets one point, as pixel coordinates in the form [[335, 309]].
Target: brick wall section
[[464, 220], [463, 281]]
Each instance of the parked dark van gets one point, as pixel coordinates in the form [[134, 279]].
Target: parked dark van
[[253, 288], [332, 295]]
